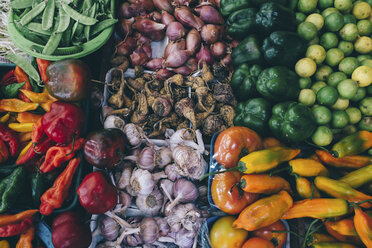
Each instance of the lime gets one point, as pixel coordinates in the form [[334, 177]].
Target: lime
[[365, 106], [313, 41], [360, 94], [364, 27], [341, 104], [317, 86], [367, 62], [363, 45], [335, 78], [322, 115], [300, 17], [334, 56], [329, 11], [343, 5], [348, 18], [317, 53], [305, 67], [307, 6], [348, 65], [347, 88], [362, 10], [366, 124], [307, 30], [323, 4], [327, 96], [362, 75], [354, 115], [364, 57], [369, 90], [305, 83], [307, 97], [322, 136], [339, 119], [346, 47], [349, 32], [323, 72], [334, 22], [316, 19], [328, 40]]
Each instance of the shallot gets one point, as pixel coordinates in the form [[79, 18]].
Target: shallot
[[173, 46], [125, 27], [193, 41], [204, 55], [166, 18], [155, 16], [147, 5], [183, 70], [150, 204], [226, 61], [154, 64], [164, 5], [209, 14], [141, 39], [147, 48], [184, 191], [210, 33], [163, 74], [175, 31], [192, 63], [147, 27], [126, 46], [186, 17], [218, 49], [177, 58], [139, 57]]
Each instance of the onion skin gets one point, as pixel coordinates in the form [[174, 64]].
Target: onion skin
[[147, 48], [154, 64], [141, 39], [174, 46], [155, 16], [164, 5], [177, 58], [187, 18], [210, 15], [207, 2], [146, 26], [166, 18], [181, 3], [183, 70], [163, 74], [226, 60], [175, 31], [125, 27], [192, 63], [222, 29], [193, 41], [126, 47], [210, 33], [139, 57], [218, 49], [204, 55]]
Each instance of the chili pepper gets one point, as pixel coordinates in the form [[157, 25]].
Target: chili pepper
[[43, 65], [11, 187], [34, 150], [25, 137], [5, 118], [306, 167], [343, 230], [26, 117], [43, 97], [46, 106], [11, 90], [305, 189], [332, 245], [56, 155], [24, 150], [319, 208], [8, 78], [348, 162], [4, 153], [270, 142], [263, 184], [316, 238], [15, 228], [353, 144], [10, 138], [4, 244], [16, 105], [363, 226], [21, 127], [234, 143], [55, 196], [358, 177], [26, 238], [37, 132], [6, 219], [264, 212], [21, 77], [63, 122], [341, 190]]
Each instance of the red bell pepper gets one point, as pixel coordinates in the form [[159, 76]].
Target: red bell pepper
[[96, 194], [43, 65], [10, 138], [8, 78], [63, 122], [21, 77]]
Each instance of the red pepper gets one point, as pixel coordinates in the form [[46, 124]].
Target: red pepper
[[10, 138], [33, 152], [15, 228], [43, 65], [96, 194], [4, 153], [54, 197], [70, 231], [8, 78], [63, 122], [37, 132], [56, 155], [21, 77]]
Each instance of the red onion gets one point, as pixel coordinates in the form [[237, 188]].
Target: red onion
[[193, 41], [155, 16], [126, 46], [173, 46], [164, 5], [166, 18], [186, 17], [175, 31], [147, 48], [154, 64], [218, 49], [125, 10], [209, 14], [139, 57], [141, 39], [192, 63], [226, 60], [146, 26], [125, 27], [163, 74], [204, 55], [145, 4], [176, 58], [183, 70], [209, 33]]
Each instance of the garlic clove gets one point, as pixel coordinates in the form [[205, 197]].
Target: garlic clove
[[113, 121]]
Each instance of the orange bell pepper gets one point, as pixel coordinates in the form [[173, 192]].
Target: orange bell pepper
[[363, 226], [21, 77], [25, 117]]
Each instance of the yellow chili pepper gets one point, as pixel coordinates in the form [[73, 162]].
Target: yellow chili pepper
[[38, 97], [21, 127], [347, 162], [363, 226], [24, 150], [5, 118], [23, 137], [358, 177], [4, 244], [26, 238], [25, 117], [316, 238], [353, 144], [46, 106], [16, 105], [306, 167], [332, 245], [305, 189]]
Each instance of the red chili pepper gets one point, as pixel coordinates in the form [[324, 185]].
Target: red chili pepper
[[4, 153], [56, 155], [15, 228], [63, 122], [10, 138], [21, 77], [54, 197], [33, 152], [43, 65], [8, 78], [37, 132]]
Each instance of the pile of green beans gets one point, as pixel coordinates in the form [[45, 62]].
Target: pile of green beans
[[60, 27]]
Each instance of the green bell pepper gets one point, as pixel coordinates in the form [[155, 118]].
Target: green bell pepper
[[243, 81], [248, 51], [278, 84], [254, 114], [227, 7], [241, 23], [283, 48], [292, 121], [273, 16], [11, 187]]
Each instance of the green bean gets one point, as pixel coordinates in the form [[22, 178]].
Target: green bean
[[37, 28], [21, 4], [87, 4], [103, 25], [36, 2], [66, 37], [86, 20], [25, 65], [48, 15], [23, 13], [29, 35], [92, 13], [64, 21], [32, 14], [52, 43]]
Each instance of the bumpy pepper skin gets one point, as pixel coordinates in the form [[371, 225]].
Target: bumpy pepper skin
[[248, 51], [264, 184], [254, 114], [243, 81], [264, 212], [305, 189], [229, 6], [306, 167], [26, 238], [343, 230], [319, 208], [4, 153], [353, 144], [11, 187], [291, 121], [10, 138], [43, 65], [242, 22], [16, 228], [358, 177], [363, 226], [347, 162], [234, 143]]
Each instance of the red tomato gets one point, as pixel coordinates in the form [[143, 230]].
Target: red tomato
[[256, 242], [227, 196], [278, 239]]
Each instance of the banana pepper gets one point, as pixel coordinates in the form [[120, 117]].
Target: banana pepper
[[21, 127], [347, 162], [363, 226], [16, 105], [305, 189], [358, 177], [307, 167], [353, 144], [343, 230], [264, 184], [332, 245], [44, 98], [316, 238]]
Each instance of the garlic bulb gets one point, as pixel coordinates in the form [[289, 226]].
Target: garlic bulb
[[173, 172], [163, 156], [125, 176], [149, 230], [190, 162], [164, 228], [113, 121], [184, 216], [146, 159], [134, 240], [185, 191], [109, 227], [134, 134], [142, 182], [125, 199], [166, 186], [150, 204]]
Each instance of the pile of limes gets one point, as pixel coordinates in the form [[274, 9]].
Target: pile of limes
[[336, 74]]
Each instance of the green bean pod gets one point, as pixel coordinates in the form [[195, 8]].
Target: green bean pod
[[83, 19], [103, 25], [32, 13], [48, 15], [25, 65], [52, 43], [64, 21], [20, 4]]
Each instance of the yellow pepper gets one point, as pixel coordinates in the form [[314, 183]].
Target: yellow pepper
[[306, 167], [21, 127], [16, 105], [4, 244], [353, 144], [5, 118], [358, 177], [24, 137], [24, 150], [38, 97], [305, 189], [332, 245], [316, 238]]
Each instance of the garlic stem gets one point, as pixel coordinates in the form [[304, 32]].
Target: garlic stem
[[119, 220], [159, 175], [166, 192], [166, 240], [174, 203]]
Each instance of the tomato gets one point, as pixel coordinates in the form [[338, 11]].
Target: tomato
[[266, 233], [256, 242], [223, 235], [227, 196]]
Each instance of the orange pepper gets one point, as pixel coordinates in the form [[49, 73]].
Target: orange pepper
[[263, 184], [6, 219], [25, 137], [43, 65], [343, 230], [25, 117], [270, 142], [350, 162], [363, 226], [21, 77], [305, 188], [16, 105], [25, 240], [43, 97]]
